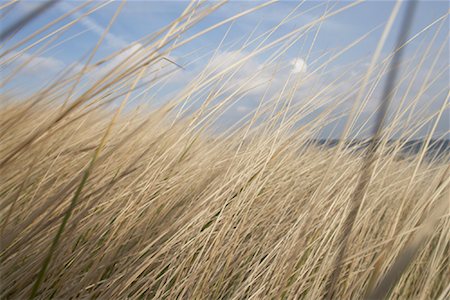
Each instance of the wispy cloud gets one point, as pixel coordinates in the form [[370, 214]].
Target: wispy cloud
[[32, 65], [112, 39]]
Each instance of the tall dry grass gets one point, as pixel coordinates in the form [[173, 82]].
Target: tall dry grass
[[99, 200]]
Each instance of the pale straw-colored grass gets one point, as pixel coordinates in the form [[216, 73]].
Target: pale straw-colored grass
[[102, 201]]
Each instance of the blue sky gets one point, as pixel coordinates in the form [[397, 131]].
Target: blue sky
[[140, 18]]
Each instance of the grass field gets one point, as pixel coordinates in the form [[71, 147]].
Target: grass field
[[102, 200]]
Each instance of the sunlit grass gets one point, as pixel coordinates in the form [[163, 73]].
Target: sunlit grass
[[101, 200]]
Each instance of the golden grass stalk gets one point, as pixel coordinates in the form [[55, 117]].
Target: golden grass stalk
[[116, 195]]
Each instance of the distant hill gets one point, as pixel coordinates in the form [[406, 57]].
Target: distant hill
[[437, 148]]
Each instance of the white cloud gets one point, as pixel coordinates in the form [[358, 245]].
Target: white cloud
[[299, 65], [43, 64], [131, 54], [242, 109], [33, 65], [248, 68]]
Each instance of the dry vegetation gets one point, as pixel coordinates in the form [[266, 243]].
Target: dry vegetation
[[100, 201]]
